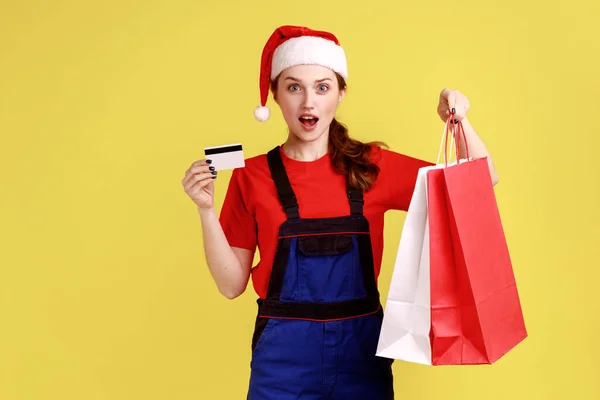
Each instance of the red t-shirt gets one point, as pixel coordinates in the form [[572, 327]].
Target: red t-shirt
[[251, 212]]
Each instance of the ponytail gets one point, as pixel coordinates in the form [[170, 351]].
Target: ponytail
[[352, 157]]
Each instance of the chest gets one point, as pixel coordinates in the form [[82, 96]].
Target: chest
[[318, 195]]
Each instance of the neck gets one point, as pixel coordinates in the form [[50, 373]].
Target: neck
[[306, 151]]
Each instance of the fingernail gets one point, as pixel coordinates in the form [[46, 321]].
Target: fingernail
[[214, 177], [208, 161], [453, 110], [211, 168], [214, 172]]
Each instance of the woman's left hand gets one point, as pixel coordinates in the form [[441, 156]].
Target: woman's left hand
[[450, 99]]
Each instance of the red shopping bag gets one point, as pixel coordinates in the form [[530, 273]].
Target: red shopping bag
[[476, 314]]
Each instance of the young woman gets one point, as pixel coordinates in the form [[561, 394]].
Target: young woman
[[315, 208]]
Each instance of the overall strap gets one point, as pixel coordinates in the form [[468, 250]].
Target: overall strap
[[284, 188], [355, 196]]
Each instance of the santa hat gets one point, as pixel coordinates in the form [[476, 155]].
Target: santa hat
[[296, 45]]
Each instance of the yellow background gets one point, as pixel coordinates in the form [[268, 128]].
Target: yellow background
[[104, 291]]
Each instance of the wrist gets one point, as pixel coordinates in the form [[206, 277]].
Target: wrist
[[465, 121], [206, 212]]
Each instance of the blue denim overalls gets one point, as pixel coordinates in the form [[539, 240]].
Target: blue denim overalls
[[317, 329]]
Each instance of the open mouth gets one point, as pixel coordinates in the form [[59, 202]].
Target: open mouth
[[308, 121]]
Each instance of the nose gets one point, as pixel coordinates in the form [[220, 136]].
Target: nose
[[308, 101]]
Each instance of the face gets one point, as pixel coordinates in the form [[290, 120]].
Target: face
[[308, 96]]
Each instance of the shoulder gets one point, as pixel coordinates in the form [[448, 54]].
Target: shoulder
[[255, 168], [396, 180], [255, 163]]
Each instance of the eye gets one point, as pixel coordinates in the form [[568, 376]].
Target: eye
[[293, 88], [323, 88]]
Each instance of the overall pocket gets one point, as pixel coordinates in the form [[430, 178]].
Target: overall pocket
[[328, 268], [262, 327]]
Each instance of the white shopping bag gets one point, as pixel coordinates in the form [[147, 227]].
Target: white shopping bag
[[407, 318]]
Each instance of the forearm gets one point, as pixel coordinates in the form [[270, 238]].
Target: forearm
[[476, 148], [225, 267]]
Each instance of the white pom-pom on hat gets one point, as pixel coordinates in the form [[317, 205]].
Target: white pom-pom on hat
[[296, 45], [262, 113]]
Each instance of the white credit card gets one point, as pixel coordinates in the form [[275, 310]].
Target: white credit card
[[224, 157]]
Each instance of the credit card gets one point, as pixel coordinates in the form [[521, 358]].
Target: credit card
[[227, 156]]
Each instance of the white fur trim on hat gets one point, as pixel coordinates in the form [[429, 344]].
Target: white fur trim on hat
[[309, 50]]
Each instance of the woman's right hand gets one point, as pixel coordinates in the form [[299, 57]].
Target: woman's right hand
[[198, 183]]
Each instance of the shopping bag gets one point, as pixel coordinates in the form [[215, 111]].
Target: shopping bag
[[406, 324], [474, 310], [476, 314]]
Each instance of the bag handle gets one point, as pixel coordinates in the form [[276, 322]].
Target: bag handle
[[457, 130]]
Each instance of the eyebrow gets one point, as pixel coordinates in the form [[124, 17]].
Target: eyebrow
[[291, 78]]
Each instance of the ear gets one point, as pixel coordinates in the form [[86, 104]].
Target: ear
[[341, 95]]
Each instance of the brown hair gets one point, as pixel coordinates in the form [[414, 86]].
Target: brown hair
[[349, 156]]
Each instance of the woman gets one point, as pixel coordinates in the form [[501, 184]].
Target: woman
[[315, 208]]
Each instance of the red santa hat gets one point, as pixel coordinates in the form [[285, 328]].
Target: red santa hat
[[296, 45]]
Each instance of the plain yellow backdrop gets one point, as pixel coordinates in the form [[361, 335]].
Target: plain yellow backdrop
[[104, 290]]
